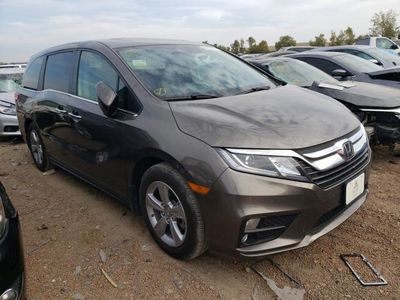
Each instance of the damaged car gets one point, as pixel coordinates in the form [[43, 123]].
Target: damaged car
[[377, 106], [345, 66], [12, 276], [212, 152]]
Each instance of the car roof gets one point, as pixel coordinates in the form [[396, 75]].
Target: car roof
[[318, 54], [115, 43], [359, 47]]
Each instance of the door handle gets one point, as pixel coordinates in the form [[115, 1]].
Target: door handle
[[72, 115], [60, 110]]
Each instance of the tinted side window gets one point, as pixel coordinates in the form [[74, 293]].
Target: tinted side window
[[321, 64], [92, 69], [126, 100], [362, 42], [31, 76], [362, 55], [358, 53], [58, 71]]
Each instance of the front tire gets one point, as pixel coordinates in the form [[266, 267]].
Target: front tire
[[171, 212], [37, 148]]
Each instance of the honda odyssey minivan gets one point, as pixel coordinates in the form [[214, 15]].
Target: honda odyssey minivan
[[211, 151]]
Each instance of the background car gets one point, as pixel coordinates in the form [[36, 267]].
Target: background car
[[373, 54], [345, 66], [12, 276], [10, 79], [377, 106], [380, 42]]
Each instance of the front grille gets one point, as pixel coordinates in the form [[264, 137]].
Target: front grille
[[338, 174]]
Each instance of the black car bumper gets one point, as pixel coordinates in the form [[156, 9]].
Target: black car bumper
[[11, 255]]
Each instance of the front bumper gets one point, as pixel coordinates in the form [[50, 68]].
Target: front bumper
[[237, 197], [9, 125], [12, 260]]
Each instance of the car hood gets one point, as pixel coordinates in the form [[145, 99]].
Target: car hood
[[286, 117], [392, 74], [7, 97], [362, 94]]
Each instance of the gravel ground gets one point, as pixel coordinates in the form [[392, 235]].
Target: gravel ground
[[72, 232]]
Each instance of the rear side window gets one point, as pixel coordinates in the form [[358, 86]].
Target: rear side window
[[58, 71], [362, 42], [31, 75]]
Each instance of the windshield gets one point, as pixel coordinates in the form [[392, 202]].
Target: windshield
[[179, 71], [298, 73], [9, 82], [383, 55], [357, 64]]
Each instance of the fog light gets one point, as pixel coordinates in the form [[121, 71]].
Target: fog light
[[9, 295], [244, 238], [251, 224]]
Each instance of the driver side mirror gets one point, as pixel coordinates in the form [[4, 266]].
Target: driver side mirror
[[340, 73], [107, 99], [394, 47]]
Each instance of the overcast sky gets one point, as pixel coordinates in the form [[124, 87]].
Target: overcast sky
[[27, 26]]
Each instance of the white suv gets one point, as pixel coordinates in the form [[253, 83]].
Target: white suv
[[380, 42]]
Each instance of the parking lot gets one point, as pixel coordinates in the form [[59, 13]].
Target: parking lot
[[72, 232]]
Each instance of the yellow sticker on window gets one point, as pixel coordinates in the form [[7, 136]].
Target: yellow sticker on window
[[139, 63]]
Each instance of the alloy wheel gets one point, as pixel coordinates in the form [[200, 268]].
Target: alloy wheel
[[36, 147], [166, 213]]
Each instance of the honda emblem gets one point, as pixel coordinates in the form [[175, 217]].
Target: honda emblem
[[347, 150]]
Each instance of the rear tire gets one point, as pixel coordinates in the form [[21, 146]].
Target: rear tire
[[37, 148], [171, 212]]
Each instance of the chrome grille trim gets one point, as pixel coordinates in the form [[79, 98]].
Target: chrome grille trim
[[321, 160], [338, 174], [337, 146]]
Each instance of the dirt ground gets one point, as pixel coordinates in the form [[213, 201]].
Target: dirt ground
[[71, 231]]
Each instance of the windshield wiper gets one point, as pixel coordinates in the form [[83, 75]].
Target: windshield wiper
[[191, 97], [255, 89]]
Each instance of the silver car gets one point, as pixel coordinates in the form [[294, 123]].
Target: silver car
[[10, 78]]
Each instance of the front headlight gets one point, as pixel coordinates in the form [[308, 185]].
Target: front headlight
[[3, 219], [7, 108], [250, 161]]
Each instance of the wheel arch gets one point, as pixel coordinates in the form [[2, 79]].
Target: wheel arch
[[146, 159]]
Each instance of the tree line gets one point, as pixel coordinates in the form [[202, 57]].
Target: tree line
[[382, 23]]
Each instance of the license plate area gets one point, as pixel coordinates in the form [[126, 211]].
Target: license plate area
[[355, 188]]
